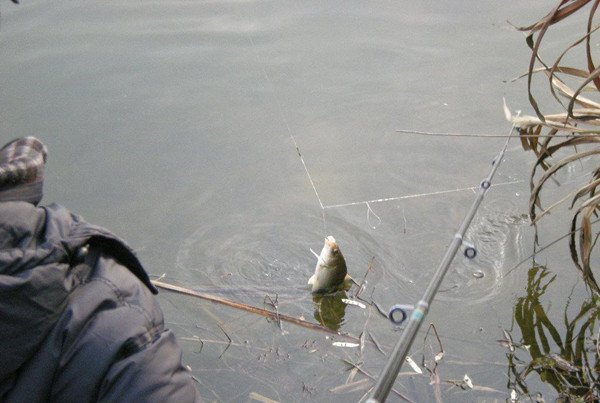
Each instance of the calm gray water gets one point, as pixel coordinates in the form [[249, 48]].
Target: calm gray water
[[175, 124]]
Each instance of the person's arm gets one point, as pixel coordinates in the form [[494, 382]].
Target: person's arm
[[152, 374]]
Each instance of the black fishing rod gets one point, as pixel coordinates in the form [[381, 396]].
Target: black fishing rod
[[392, 367]]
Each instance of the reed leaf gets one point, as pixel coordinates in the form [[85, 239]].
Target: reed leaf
[[588, 51], [589, 188], [565, 90], [556, 15], [586, 235], [534, 198], [568, 70], [544, 134], [574, 98]]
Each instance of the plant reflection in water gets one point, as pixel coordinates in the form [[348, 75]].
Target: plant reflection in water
[[569, 362]]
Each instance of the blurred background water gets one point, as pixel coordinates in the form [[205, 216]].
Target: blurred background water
[[178, 125]]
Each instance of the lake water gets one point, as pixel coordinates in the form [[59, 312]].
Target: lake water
[[225, 139]]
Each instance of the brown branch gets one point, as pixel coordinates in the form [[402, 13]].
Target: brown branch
[[249, 308]]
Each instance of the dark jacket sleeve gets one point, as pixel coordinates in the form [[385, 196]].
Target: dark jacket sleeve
[[114, 345], [153, 374]]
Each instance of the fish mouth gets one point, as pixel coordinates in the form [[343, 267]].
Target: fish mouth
[[330, 241]]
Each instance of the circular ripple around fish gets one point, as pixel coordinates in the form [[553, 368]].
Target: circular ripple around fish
[[497, 237], [271, 253]]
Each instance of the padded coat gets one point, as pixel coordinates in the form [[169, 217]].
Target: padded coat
[[78, 321]]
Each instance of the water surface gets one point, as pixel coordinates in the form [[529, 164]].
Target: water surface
[[180, 125]]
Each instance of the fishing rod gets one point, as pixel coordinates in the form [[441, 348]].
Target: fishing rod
[[392, 367]]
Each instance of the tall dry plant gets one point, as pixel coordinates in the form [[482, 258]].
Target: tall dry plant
[[570, 136]]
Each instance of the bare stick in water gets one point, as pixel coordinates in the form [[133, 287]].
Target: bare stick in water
[[249, 308]]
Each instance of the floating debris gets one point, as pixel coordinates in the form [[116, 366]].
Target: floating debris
[[352, 387], [468, 381], [254, 396], [414, 365], [478, 274], [353, 302], [344, 344]]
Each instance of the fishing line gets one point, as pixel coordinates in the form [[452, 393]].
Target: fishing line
[[282, 116], [415, 196], [367, 203], [390, 371], [369, 212]]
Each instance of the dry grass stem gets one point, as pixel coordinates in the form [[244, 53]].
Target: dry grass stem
[[572, 132]]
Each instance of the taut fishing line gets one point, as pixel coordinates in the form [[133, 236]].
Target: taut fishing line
[[289, 130], [399, 312], [389, 373], [367, 203], [373, 220]]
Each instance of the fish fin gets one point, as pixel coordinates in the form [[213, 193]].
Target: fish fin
[[319, 259], [348, 281], [311, 280]]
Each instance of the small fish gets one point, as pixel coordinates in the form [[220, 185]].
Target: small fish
[[330, 272]]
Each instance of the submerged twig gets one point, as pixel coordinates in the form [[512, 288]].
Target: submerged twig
[[260, 398], [228, 338], [376, 343], [362, 283], [380, 310], [368, 375], [434, 375], [249, 308], [201, 346], [437, 336], [275, 306], [351, 387]]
